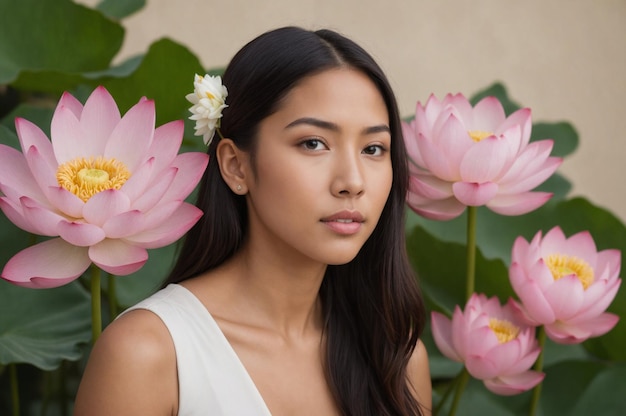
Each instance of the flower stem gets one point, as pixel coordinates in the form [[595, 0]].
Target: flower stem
[[464, 378], [471, 252], [541, 339], [15, 394], [450, 389], [96, 308], [112, 296]]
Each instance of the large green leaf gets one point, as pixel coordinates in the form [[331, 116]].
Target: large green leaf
[[164, 75], [54, 35], [605, 395], [441, 268], [119, 9], [43, 327]]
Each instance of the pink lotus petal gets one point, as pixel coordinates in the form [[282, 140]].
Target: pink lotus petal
[[474, 194], [430, 187], [49, 264], [410, 138], [14, 213], [453, 144], [521, 314], [15, 173], [521, 118], [70, 102], [69, 140], [565, 296], [42, 219], [166, 143], [581, 245], [80, 234], [44, 174], [612, 259], [518, 204], [486, 160], [99, 117], [553, 241], [535, 179], [481, 367], [155, 192], [132, 137], [461, 330], [138, 183], [104, 205], [488, 115], [118, 257], [65, 201], [535, 303], [442, 333], [528, 161], [124, 225], [521, 363], [181, 221], [31, 135], [436, 161], [443, 210], [564, 333], [191, 167], [514, 384], [598, 297]]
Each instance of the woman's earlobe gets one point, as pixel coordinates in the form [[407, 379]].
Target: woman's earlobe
[[233, 164]]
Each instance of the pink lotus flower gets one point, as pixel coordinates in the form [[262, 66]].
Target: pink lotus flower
[[565, 284], [492, 343], [464, 156], [107, 187]]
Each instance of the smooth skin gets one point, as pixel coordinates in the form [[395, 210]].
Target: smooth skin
[[324, 153]]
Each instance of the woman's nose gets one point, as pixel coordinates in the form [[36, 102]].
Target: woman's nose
[[348, 176]]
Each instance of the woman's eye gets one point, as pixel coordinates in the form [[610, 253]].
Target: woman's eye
[[313, 144], [374, 150]]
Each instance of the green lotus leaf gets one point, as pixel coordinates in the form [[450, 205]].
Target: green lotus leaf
[[43, 327], [68, 38]]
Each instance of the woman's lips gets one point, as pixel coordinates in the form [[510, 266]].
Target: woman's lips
[[344, 222]]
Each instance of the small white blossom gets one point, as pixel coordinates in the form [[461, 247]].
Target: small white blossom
[[208, 100]]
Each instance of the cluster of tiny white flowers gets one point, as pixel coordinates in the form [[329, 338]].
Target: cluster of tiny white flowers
[[208, 99]]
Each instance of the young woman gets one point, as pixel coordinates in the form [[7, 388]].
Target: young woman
[[293, 294]]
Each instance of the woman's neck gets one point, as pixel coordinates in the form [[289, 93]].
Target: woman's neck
[[279, 294]]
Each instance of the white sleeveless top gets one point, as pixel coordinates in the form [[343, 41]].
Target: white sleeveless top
[[212, 381]]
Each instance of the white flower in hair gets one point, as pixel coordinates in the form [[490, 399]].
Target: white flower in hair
[[208, 100]]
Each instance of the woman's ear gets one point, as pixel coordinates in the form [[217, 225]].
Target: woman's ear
[[234, 166]]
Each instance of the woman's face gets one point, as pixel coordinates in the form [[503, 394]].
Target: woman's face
[[323, 169]]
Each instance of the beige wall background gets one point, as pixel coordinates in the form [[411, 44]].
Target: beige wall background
[[565, 59]]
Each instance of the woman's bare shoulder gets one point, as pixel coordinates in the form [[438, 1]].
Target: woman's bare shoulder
[[419, 377], [131, 369]]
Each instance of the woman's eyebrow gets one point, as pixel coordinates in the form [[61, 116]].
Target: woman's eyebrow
[[327, 125]]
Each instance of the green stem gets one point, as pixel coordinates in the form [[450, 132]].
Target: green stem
[[112, 296], [541, 339], [96, 307], [464, 378], [449, 390], [15, 394], [471, 252]]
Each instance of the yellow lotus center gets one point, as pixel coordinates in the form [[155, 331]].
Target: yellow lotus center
[[561, 266], [210, 96], [478, 135], [505, 331], [85, 177]]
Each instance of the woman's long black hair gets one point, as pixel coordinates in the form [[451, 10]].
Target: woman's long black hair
[[372, 307]]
